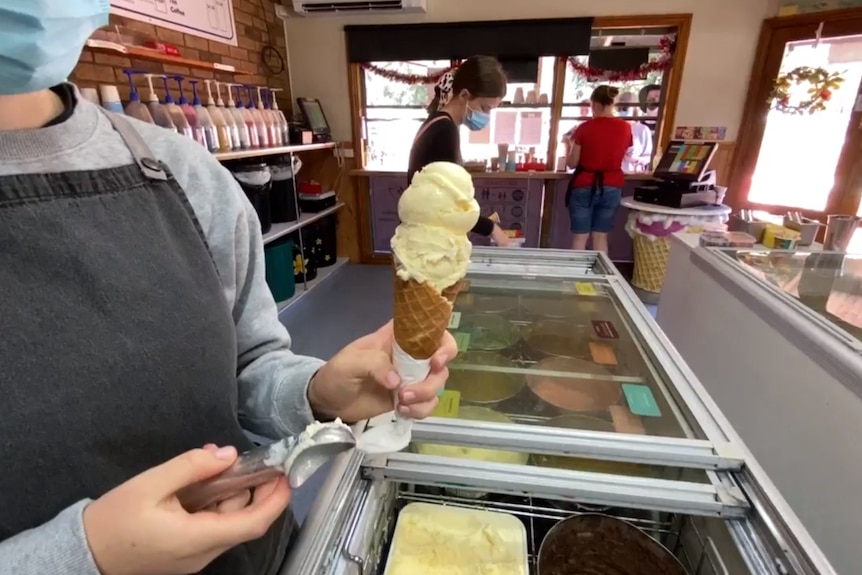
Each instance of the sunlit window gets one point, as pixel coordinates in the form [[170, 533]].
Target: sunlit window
[[394, 110]]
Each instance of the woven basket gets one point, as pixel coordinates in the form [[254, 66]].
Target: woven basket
[[650, 263]]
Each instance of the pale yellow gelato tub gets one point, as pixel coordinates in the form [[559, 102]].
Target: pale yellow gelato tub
[[442, 540], [475, 453]]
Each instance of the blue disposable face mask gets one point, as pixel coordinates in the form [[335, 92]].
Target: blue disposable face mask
[[41, 40], [476, 120]]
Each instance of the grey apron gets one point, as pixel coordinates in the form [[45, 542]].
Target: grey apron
[[117, 347]]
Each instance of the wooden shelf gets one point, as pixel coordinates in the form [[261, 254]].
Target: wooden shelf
[[245, 154], [114, 49], [323, 274], [280, 230]]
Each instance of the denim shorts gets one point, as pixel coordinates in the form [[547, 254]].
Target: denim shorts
[[590, 212]]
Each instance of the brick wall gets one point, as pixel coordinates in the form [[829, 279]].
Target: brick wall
[[256, 26]]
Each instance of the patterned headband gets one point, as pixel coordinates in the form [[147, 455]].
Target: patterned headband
[[443, 89]]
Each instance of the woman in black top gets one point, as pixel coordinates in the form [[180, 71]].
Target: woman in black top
[[466, 97]]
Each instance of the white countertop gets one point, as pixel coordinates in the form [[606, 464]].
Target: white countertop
[[705, 211], [693, 241]]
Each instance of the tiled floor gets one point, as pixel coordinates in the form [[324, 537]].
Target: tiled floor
[[356, 301]]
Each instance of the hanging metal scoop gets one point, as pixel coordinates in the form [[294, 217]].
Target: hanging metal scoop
[[298, 457]]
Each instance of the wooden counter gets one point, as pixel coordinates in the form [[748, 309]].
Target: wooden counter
[[532, 202], [498, 175]]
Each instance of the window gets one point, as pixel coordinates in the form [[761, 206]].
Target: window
[[640, 101], [521, 123], [394, 111]]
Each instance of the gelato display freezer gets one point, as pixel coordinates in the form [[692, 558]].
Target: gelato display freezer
[[568, 417], [775, 337]]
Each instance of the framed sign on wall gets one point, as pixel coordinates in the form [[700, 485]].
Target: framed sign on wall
[[210, 19]]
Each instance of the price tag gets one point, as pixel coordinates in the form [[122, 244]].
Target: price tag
[[605, 329], [462, 339], [625, 421], [449, 404], [602, 353], [455, 320], [224, 67], [585, 288], [641, 400]]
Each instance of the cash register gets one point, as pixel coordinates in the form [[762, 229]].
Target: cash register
[[683, 178], [315, 128]]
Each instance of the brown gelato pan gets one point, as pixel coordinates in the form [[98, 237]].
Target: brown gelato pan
[[594, 544], [484, 387], [559, 338], [570, 392], [587, 423]]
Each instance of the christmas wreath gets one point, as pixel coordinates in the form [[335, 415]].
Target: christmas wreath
[[787, 94]]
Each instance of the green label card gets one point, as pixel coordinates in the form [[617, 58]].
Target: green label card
[[455, 320], [462, 339], [641, 400], [450, 401]]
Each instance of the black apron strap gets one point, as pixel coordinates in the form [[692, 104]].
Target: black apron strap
[[598, 185], [151, 168]]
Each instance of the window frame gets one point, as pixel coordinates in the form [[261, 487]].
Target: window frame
[[658, 118], [670, 83]]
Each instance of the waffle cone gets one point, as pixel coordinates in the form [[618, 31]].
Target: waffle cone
[[451, 292], [421, 316]]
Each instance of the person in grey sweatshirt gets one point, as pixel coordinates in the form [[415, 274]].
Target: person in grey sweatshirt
[[137, 334]]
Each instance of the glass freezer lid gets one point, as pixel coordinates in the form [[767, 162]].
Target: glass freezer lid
[[539, 262], [569, 374], [827, 283], [555, 353]]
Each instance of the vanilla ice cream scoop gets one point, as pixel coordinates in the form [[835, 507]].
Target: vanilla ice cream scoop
[[437, 211], [441, 195]]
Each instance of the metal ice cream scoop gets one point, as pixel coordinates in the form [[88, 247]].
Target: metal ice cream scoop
[[297, 456]]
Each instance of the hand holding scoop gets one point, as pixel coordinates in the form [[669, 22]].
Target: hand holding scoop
[[297, 456]]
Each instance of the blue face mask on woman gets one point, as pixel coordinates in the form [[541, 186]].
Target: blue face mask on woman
[[476, 120], [41, 40]]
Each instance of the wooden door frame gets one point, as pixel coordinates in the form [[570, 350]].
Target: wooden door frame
[[767, 63]]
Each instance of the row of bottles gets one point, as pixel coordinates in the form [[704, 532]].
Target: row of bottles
[[220, 128]]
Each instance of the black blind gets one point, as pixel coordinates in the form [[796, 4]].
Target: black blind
[[521, 71], [615, 59], [505, 39]]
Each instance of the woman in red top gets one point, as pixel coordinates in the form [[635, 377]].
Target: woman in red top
[[596, 152]]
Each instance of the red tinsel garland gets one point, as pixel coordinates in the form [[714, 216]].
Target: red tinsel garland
[[663, 63], [403, 78]]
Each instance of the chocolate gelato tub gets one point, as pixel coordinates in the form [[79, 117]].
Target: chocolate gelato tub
[[593, 544]]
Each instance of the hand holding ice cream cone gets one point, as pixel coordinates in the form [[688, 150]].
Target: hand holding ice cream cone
[[431, 254]]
